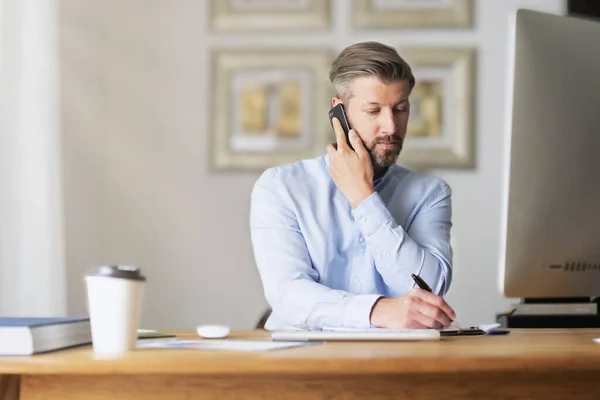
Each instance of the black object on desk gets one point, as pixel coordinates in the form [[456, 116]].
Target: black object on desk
[[556, 320], [154, 335], [507, 320], [472, 331]]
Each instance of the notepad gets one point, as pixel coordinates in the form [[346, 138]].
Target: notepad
[[363, 334], [417, 332], [473, 330]]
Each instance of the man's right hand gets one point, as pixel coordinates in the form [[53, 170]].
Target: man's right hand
[[417, 309]]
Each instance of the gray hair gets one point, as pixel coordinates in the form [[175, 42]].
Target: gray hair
[[368, 59]]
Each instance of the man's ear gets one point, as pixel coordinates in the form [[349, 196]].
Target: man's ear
[[335, 101]]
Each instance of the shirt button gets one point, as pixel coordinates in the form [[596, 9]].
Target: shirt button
[[361, 239], [363, 219], [356, 280]]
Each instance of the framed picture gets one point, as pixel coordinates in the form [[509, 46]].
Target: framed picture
[[270, 107], [441, 124], [269, 15], [413, 14]]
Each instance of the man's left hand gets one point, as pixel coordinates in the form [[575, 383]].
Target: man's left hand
[[351, 170]]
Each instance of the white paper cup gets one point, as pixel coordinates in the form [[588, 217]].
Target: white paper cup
[[114, 302]]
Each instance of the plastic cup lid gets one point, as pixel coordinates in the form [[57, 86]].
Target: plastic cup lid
[[118, 271]]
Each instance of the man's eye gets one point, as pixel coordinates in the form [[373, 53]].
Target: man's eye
[[401, 110], [372, 112]]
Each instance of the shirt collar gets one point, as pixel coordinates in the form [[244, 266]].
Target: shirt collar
[[383, 177]]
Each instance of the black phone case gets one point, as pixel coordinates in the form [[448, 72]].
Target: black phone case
[[472, 331], [339, 112]]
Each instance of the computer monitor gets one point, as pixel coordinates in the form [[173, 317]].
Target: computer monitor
[[551, 207]]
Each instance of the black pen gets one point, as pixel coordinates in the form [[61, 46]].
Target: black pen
[[423, 285]]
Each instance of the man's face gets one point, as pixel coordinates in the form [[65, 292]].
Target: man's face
[[379, 114]]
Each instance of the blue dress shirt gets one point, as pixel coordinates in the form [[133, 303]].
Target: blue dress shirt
[[324, 264]]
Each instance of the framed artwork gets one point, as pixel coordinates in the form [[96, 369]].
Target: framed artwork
[[269, 15], [413, 14], [441, 124], [270, 107]]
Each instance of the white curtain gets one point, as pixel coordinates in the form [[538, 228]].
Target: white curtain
[[32, 266]]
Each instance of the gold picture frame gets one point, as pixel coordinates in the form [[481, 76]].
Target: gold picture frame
[[269, 15], [270, 107], [413, 14], [441, 123]]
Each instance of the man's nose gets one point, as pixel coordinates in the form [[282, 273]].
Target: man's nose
[[388, 125]]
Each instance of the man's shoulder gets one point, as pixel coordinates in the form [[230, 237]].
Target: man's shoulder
[[422, 184], [302, 171]]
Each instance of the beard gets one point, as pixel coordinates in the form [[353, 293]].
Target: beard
[[385, 157]]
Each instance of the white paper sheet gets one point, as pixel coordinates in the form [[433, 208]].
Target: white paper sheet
[[220, 344], [489, 327]]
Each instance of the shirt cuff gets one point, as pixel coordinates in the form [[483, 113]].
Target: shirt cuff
[[371, 214], [357, 312]]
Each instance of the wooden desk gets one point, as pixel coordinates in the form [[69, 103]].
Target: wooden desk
[[535, 364]]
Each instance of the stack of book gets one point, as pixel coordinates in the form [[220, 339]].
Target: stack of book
[[26, 336]]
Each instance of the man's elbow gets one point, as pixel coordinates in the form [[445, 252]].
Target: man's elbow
[[445, 278], [284, 307]]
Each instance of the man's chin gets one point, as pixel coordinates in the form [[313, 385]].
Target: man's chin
[[388, 157], [381, 157], [386, 160]]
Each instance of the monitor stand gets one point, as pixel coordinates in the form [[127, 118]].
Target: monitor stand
[[571, 312]]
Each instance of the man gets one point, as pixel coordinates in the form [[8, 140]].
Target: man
[[336, 238]]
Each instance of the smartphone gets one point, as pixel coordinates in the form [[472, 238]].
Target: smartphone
[[339, 112], [474, 330]]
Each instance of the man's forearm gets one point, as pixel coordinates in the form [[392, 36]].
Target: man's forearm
[[309, 305]]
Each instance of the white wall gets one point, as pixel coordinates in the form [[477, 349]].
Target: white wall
[[135, 141]]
